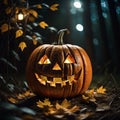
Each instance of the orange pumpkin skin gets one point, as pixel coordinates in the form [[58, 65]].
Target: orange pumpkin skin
[[59, 71]]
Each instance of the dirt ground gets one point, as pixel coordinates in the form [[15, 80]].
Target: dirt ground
[[28, 106]]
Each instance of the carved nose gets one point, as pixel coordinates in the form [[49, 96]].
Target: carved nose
[[56, 67]]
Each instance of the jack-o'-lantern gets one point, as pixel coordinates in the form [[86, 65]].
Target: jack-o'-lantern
[[59, 70]]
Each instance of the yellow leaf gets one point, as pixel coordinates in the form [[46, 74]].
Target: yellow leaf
[[43, 24], [74, 109], [28, 93], [46, 102], [35, 42], [39, 6], [65, 103], [51, 111], [34, 13], [85, 97], [66, 106], [19, 33], [58, 106], [20, 96], [101, 90], [40, 104], [22, 45], [12, 100], [5, 27], [90, 93], [54, 7]]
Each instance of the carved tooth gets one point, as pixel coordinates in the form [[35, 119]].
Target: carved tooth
[[49, 81], [63, 83], [36, 75], [57, 80], [44, 78], [53, 84], [70, 83], [43, 82]]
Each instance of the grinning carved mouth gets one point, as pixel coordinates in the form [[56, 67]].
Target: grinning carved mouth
[[55, 81]]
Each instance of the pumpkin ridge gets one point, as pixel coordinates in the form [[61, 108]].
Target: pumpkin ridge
[[87, 68], [67, 91], [42, 51], [83, 80], [54, 52], [71, 47]]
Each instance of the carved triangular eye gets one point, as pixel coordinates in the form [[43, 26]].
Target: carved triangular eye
[[69, 59], [44, 60], [56, 67]]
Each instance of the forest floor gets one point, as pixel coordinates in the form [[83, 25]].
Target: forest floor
[[101, 102]]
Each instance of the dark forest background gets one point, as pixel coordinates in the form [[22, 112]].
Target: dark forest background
[[100, 36]]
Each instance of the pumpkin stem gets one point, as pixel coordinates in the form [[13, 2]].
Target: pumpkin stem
[[60, 35]]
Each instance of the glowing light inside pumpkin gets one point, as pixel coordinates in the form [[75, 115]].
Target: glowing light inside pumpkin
[[44, 60], [55, 81], [69, 59], [56, 67]]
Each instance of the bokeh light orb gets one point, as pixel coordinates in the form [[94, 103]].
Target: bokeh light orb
[[79, 27]]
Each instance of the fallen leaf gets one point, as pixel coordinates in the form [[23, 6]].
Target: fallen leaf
[[20, 96], [86, 98], [89, 96], [66, 106], [12, 100], [65, 103], [58, 110], [90, 93], [54, 7], [73, 109], [43, 24], [101, 90], [22, 45], [40, 104], [43, 104], [47, 103], [28, 93]]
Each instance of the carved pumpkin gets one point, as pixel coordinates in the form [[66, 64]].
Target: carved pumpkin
[[59, 70]]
